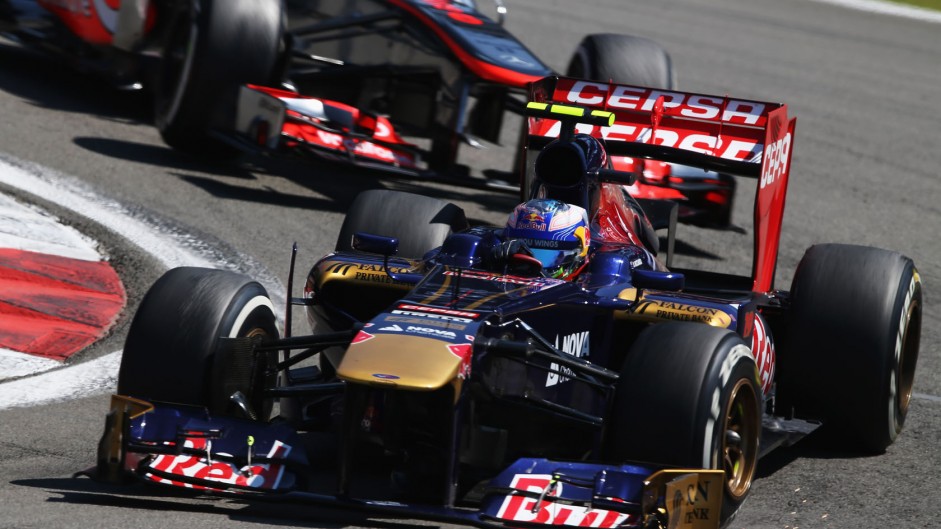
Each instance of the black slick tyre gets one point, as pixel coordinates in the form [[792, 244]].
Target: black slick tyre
[[623, 59], [213, 47], [174, 352], [853, 342], [688, 397], [420, 223]]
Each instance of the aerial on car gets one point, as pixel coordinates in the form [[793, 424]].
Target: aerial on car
[[554, 369]]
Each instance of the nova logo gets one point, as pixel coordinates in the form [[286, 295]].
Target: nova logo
[[430, 331], [575, 344]]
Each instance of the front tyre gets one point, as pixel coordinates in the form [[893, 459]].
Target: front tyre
[[174, 352], [688, 397], [213, 47], [853, 342]]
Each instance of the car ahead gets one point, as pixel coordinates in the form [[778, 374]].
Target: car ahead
[[397, 85], [447, 376]]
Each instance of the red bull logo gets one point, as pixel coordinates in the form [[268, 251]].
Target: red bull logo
[[532, 216], [531, 221]]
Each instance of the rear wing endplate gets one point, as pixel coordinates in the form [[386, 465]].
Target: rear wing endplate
[[742, 137]]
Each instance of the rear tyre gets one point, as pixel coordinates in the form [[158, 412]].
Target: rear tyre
[[173, 352], [420, 223], [853, 342], [688, 397], [214, 46], [623, 59]]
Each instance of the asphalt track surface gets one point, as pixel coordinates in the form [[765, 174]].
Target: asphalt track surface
[[866, 90]]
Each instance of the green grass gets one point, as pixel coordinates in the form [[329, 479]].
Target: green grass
[[929, 4]]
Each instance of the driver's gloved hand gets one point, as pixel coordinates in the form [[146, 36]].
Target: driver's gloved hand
[[502, 252], [515, 257]]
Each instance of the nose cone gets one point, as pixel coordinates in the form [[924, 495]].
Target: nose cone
[[403, 361]]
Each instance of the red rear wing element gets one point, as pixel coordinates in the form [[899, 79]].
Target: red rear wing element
[[736, 136]]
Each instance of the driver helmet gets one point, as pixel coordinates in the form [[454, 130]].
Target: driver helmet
[[556, 232]]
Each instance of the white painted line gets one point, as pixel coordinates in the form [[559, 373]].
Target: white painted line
[[171, 247], [68, 194], [889, 8], [89, 378], [23, 227], [924, 396], [15, 364]]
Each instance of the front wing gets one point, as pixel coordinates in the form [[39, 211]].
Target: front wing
[[277, 120], [184, 447]]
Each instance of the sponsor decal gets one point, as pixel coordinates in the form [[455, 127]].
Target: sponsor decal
[[438, 310], [463, 351], [670, 310], [260, 476], [361, 337], [372, 273], [742, 113], [575, 344], [391, 328], [696, 106], [542, 243], [763, 351], [776, 157], [443, 317], [546, 511], [430, 331], [428, 322], [725, 372], [531, 221], [694, 502]]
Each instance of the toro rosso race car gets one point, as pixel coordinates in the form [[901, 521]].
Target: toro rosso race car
[[552, 371], [397, 85]]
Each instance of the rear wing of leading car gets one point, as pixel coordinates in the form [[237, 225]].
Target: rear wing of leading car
[[741, 137]]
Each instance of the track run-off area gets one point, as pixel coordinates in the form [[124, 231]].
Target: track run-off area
[[864, 85]]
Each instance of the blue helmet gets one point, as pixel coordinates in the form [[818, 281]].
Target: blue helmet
[[557, 233]]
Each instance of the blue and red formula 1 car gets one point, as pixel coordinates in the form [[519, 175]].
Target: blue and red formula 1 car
[[553, 371], [397, 85]]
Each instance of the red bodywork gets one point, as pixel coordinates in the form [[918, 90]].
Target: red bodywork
[[275, 117], [95, 21]]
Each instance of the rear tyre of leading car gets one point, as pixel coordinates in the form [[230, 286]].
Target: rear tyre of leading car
[[214, 46], [174, 350], [853, 342], [623, 59], [688, 397]]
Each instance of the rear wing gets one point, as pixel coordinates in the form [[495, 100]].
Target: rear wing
[[741, 137]]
